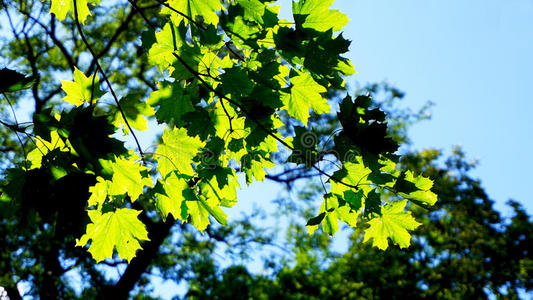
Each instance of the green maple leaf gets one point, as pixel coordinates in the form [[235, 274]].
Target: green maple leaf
[[373, 204], [173, 102], [200, 210], [79, 91], [12, 81], [221, 185], [305, 95], [168, 40], [200, 122], [194, 9], [120, 230], [329, 215], [98, 192], [177, 151], [257, 169], [42, 147], [355, 200], [305, 145], [180, 200], [253, 164], [60, 8], [238, 128], [393, 223], [192, 57], [236, 81], [253, 10], [135, 111], [422, 189], [257, 11], [128, 178], [322, 55], [177, 191], [353, 173], [315, 14]]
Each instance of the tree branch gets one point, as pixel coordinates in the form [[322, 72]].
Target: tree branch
[[242, 108], [158, 232], [106, 79], [123, 26]]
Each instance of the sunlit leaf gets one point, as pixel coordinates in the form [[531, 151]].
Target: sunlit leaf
[[120, 230]]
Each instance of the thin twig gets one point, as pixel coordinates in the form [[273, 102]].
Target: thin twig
[[227, 114], [228, 46], [123, 26], [52, 35], [16, 132], [99, 67], [92, 89]]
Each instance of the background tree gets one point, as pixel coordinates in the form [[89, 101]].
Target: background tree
[[39, 246], [36, 43], [465, 249]]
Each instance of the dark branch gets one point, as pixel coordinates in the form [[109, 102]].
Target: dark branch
[[123, 26], [106, 79], [157, 233]]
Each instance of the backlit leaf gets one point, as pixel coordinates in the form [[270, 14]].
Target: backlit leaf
[[305, 95], [120, 230], [315, 14], [177, 191], [60, 8], [177, 151], [128, 178], [194, 10], [393, 223], [81, 90]]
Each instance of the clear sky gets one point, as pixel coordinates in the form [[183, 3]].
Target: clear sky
[[474, 60]]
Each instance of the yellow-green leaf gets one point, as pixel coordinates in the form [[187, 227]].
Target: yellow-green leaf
[[127, 178], [329, 215], [81, 90], [177, 151], [393, 223], [177, 191], [167, 41], [315, 14], [423, 184], [43, 147], [98, 192], [200, 210], [194, 10], [60, 8], [120, 230], [305, 95], [136, 112]]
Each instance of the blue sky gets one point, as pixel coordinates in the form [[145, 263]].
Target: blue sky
[[474, 60]]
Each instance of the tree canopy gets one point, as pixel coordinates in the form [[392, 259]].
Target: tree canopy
[[225, 90], [463, 250]]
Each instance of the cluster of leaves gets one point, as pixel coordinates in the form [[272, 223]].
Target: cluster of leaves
[[236, 79], [465, 249]]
